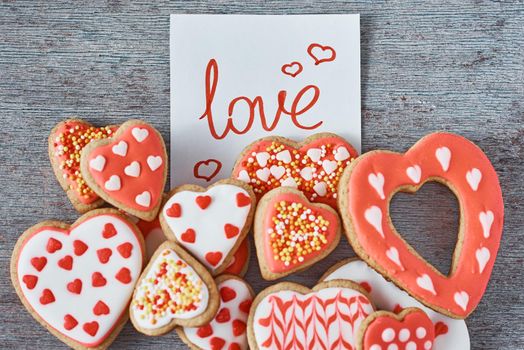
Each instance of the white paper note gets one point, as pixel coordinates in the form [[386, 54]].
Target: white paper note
[[236, 78]]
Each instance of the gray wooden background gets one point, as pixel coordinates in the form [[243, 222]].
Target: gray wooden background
[[434, 65]]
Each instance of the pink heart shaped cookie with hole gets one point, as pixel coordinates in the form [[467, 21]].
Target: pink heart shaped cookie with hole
[[314, 166], [210, 223], [409, 330], [291, 233], [77, 280], [365, 192], [129, 169], [290, 316], [228, 329]]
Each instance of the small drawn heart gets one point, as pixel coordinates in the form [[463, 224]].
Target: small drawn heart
[[292, 69], [213, 258], [188, 236], [392, 254], [414, 173], [321, 53], [443, 155], [120, 148], [277, 171], [473, 177], [377, 182], [132, 169], [207, 169], [154, 162]]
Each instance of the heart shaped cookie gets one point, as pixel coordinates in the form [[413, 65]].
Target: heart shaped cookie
[[77, 280], [365, 192], [291, 233], [314, 166], [228, 328], [128, 169], [174, 289], [290, 316], [411, 329], [65, 143], [210, 223], [450, 334]]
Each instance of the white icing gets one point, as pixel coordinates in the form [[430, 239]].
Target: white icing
[[341, 153], [98, 163], [277, 171], [377, 182], [373, 215], [428, 344], [143, 199], [263, 174], [114, 294], [404, 335], [420, 332], [443, 155], [486, 220], [208, 224], [132, 169], [392, 347], [306, 173], [388, 335], [473, 177], [329, 165], [113, 184], [461, 299], [314, 154], [336, 330], [414, 173], [154, 162], [140, 134], [289, 182], [482, 255], [262, 158], [392, 254], [144, 320], [375, 347], [411, 346], [284, 156], [425, 282], [120, 149], [320, 188], [387, 296], [225, 330], [243, 176]]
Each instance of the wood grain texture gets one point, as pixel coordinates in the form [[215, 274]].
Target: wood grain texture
[[426, 66]]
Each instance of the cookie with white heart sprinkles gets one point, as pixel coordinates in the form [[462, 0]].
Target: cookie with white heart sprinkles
[[128, 169], [65, 144], [211, 222], [228, 329], [290, 316], [291, 233], [314, 166], [365, 192], [77, 280], [174, 290]]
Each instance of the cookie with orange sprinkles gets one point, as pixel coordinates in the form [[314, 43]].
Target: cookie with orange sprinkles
[[314, 166], [65, 143], [291, 233], [174, 290]]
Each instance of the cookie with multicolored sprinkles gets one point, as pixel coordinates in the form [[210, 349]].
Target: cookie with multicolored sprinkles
[[65, 143], [174, 290], [314, 166], [291, 233]]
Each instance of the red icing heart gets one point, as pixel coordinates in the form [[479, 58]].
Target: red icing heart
[[234, 346], [366, 190], [66, 262], [276, 234], [70, 322], [98, 280], [245, 306], [203, 201], [227, 294], [223, 316], [440, 328], [79, 247], [67, 140], [213, 257], [411, 326], [104, 254], [207, 169], [188, 236], [125, 249], [274, 157], [243, 200], [109, 231], [124, 275], [30, 281], [239, 328], [106, 166], [217, 343], [101, 308], [175, 211], [205, 331], [47, 297], [53, 245], [91, 328], [39, 263], [75, 286], [231, 230]]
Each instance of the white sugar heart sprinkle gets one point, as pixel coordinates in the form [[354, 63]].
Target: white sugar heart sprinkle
[[98, 163], [263, 174], [414, 173], [306, 173], [143, 199], [284, 156], [486, 220], [482, 255], [113, 184], [314, 154], [262, 158], [373, 215], [341, 153], [154, 162], [425, 282], [132, 169], [392, 254], [243, 176], [377, 182], [443, 155], [329, 166], [277, 171], [289, 182], [473, 177], [461, 299], [139, 134], [320, 188], [120, 148]]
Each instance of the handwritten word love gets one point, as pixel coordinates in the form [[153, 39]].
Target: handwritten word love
[[308, 95]]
